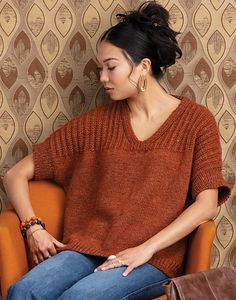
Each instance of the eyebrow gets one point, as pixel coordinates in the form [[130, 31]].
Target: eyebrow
[[108, 59]]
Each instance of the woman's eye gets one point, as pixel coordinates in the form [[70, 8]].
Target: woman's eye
[[111, 68], [99, 69]]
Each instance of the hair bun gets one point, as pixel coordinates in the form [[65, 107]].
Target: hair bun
[[148, 14]]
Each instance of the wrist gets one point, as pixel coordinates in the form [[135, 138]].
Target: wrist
[[30, 222], [150, 247], [33, 230]]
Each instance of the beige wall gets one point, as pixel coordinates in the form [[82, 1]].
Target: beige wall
[[48, 75]]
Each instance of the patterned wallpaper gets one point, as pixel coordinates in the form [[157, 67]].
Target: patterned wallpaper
[[48, 75]]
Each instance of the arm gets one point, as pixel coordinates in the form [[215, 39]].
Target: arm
[[40, 242], [16, 185], [202, 210]]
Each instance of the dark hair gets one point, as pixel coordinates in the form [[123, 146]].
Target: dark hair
[[145, 33]]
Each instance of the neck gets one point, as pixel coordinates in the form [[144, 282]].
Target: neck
[[151, 102]]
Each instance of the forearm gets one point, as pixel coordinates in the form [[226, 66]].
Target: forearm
[[199, 212], [16, 185]]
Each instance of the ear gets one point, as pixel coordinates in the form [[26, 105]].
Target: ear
[[146, 65]]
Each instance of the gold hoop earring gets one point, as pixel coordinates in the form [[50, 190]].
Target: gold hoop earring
[[142, 84]]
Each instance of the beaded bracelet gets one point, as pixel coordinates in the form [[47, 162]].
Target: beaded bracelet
[[25, 225]]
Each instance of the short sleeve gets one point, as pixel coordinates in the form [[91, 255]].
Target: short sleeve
[[54, 158], [43, 160], [207, 161]]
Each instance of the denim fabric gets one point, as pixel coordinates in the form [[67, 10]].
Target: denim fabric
[[70, 275]]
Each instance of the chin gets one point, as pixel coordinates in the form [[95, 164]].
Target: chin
[[119, 97], [116, 98]]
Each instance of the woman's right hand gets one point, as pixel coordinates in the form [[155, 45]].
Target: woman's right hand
[[42, 245]]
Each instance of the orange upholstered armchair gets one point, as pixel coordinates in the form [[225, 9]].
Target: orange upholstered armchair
[[48, 202]]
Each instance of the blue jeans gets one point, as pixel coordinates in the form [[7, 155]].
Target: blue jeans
[[70, 275]]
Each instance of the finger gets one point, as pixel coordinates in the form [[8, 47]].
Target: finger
[[46, 254], [97, 269], [40, 257], [106, 263], [35, 259], [110, 259], [128, 270], [58, 244], [52, 251], [106, 266], [121, 263], [101, 267], [115, 263], [112, 265]]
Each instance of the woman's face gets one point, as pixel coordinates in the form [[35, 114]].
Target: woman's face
[[116, 74]]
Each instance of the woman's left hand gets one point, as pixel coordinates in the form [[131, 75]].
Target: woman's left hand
[[131, 257]]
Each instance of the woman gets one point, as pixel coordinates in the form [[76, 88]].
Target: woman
[[140, 174]]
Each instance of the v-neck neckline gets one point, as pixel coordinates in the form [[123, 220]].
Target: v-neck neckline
[[159, 132]]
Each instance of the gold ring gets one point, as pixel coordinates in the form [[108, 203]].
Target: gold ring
[[120, 262]]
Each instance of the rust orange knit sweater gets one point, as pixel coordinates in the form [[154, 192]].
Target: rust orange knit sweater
[[122, 191]]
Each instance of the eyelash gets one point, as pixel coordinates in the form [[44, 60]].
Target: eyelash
[[110, 69]]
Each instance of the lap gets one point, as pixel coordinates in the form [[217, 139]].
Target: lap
[[70, 275], [144, 282], [52, 277]]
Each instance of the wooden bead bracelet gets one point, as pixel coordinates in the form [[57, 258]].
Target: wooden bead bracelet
[[25, 225]]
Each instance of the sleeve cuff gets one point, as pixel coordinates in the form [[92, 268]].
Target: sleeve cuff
[[211, 180]]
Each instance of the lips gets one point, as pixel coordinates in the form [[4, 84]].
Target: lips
[[108, 89]]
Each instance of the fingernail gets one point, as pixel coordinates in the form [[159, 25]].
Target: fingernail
[[124, 274], [95, 270]]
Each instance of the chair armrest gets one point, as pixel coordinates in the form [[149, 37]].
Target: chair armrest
[[199, 249], [163, 297], [13, 257], [48, 202]]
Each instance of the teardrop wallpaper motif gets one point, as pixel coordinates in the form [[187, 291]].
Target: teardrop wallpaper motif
[[48, 75]]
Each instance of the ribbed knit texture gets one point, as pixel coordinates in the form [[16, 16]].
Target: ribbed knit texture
[[122, 191]]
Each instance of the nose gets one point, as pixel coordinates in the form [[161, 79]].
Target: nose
[[103, 76]]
